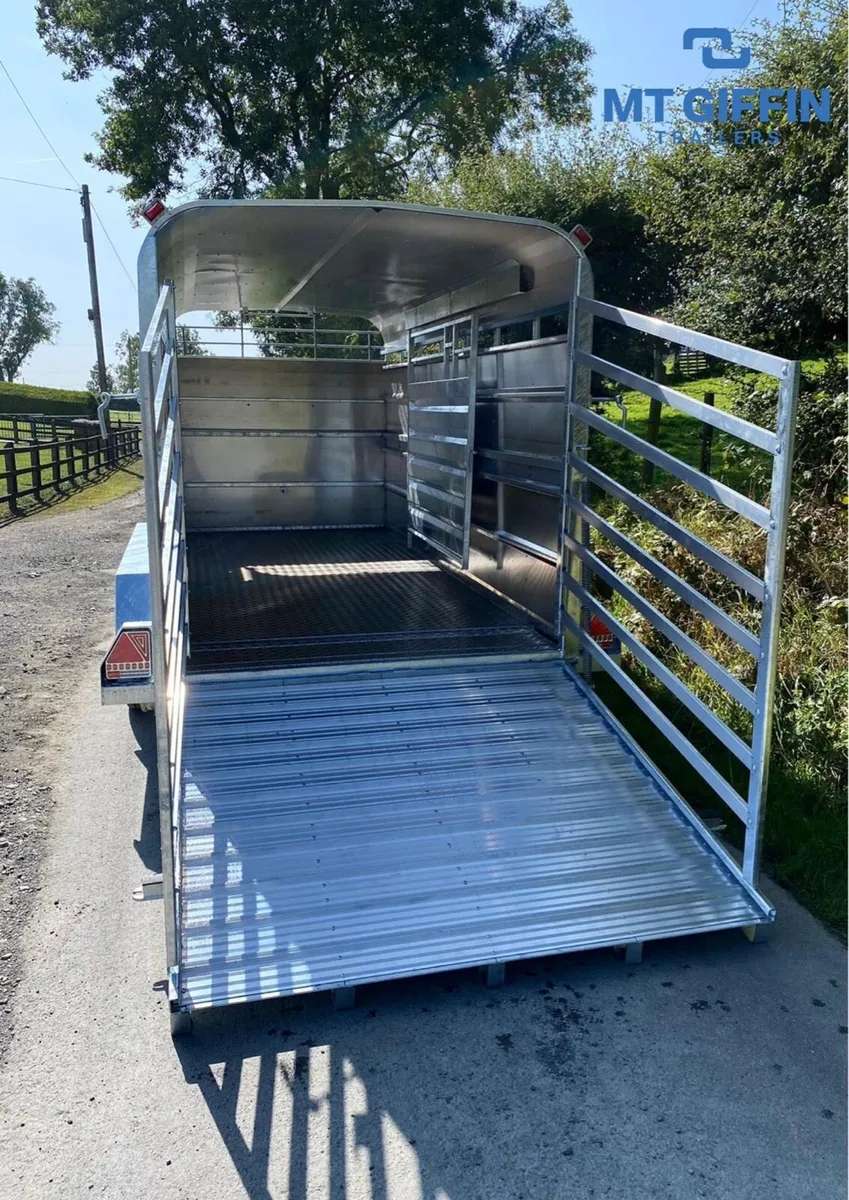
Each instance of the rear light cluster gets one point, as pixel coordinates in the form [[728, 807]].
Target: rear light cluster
[[129, 656], [601, 634]]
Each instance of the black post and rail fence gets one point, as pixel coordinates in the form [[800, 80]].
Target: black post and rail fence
[[32, 467]]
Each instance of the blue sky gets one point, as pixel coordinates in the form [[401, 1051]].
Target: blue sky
[[636, 44]]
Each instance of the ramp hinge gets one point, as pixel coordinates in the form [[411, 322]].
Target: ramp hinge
[[149, 889]]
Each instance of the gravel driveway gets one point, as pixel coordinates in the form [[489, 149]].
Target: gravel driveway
[[55, 609]]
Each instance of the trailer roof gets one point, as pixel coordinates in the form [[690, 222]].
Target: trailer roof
[[368, 258]]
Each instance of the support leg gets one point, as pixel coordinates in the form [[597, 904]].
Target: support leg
[[634, 953], [495, 974], [345, 997], [756, 933], [181, 1023]]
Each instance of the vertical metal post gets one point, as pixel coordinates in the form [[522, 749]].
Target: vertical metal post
[[147, 389], [472, 363], [779, 509], [94, 311], [564, 557]]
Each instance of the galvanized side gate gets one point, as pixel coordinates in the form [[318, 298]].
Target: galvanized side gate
[[441, 379], [586, 531], [166, 539]]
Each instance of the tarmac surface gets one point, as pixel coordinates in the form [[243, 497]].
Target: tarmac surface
[[714, 1069]]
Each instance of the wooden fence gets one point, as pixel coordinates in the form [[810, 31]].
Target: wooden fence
[[36, 427], [34, 467]]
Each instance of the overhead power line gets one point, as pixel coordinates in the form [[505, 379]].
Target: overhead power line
[[34, 183], [59, 157], [130, 279], [67, 170]]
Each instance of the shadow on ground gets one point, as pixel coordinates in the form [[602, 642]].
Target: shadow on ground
[[582, 1077], [147, 844]]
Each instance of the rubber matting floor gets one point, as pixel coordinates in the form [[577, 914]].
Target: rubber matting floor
[[299, 598]]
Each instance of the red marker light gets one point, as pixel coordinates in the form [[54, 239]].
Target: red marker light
[[581, 235], [153, 210]]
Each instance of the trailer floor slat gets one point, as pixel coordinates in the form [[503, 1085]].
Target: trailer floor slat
[[464, 843], [321, 596]]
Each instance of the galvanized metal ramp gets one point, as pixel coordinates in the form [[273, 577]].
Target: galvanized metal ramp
[[350, 826]]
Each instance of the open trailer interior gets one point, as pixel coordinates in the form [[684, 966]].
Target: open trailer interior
[[371, 587]]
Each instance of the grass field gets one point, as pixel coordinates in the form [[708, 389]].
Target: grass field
[[102, 485]]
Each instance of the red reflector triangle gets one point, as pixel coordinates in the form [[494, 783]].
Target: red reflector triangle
[[129, 657]]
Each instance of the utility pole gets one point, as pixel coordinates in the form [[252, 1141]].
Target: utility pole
[[94, 311]]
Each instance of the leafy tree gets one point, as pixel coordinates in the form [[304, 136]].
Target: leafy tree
[[26, 320], [314, 98], [762, 229], [93, 381], [126, 368], [189, 342], [292, 335]]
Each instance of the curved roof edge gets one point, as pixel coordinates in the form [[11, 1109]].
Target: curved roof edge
[[368, 257]]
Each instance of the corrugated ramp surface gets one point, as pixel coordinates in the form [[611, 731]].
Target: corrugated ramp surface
[[349, 827]]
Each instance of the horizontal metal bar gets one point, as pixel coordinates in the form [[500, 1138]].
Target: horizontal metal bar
[[518, 543], [170, 519], [690, 541], [159, 405], [437, 437], [668, 628], [708, 772], [439, 408], [755, 435], [167, 466], [397, 488], [506, 347], [184, 397], [285, 483], [510, 393], [282, 433], [523, 456], [757, 360], [438, 464], [661, 672], [432, 382], [667, 462], [527, 485], [156, 321], [416, 485], [442, 523], [712, 612]]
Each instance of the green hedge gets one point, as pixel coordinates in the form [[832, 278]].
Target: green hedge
[[53, 402]]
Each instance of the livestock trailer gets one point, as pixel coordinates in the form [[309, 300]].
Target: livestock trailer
[[365, 600]]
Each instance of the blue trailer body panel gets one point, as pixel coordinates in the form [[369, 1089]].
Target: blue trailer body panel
[[132, 581]]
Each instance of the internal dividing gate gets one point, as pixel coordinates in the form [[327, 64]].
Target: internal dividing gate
[[384, 755]]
